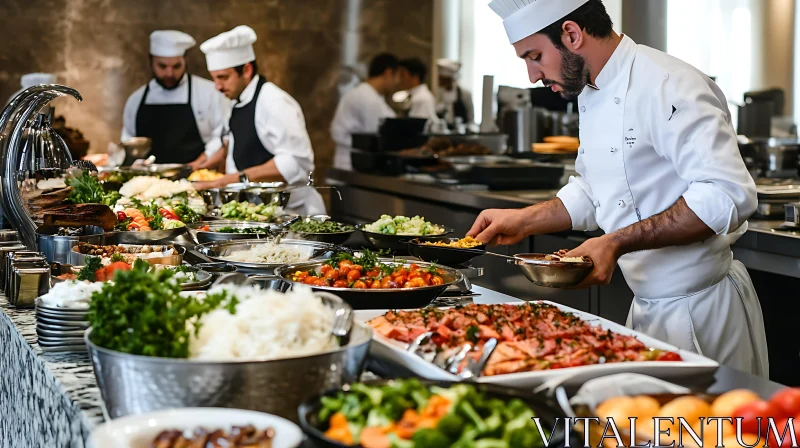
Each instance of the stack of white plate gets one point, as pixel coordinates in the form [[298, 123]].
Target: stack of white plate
[[61, 329]]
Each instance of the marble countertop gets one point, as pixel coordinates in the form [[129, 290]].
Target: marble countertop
[[72, 370]]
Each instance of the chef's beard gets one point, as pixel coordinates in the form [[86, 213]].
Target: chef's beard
[[574, 75], [167, 87]]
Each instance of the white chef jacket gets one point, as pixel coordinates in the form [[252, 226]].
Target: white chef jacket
[[423, 104], [281, 128], [210, 107], [653, 130], [446, 100], [360, 110]]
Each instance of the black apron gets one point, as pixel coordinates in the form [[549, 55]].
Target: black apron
[[172, 127], [459, 108], [247, 148]]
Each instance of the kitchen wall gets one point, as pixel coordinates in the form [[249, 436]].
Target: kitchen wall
[[100, 47]]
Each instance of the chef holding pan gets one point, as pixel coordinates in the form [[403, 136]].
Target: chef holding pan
[[659, 172], [183, 114], [268, 139]]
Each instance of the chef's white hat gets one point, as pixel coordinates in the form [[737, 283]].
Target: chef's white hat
[[34, 79], [170, 43], [448, 67], [230, 49], [522, 18]]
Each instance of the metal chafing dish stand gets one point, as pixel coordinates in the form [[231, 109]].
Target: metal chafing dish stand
[[16, 117]]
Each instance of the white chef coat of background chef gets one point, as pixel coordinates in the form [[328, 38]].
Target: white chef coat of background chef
[[360, 110], [281, 128], [656, 129], [422, 103], [29, 80]]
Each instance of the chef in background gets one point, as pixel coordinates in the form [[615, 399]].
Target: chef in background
[[452, 100], [362, 109], [268, 140], [29, 80], [659, 171], [182, 113], [412, 74]]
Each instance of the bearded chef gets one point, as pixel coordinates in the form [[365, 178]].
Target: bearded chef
[[362, 109], [183, 114], [453, 100], [268, 140], [659, 171]]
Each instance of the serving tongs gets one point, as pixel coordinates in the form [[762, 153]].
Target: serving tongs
[[452, 363]]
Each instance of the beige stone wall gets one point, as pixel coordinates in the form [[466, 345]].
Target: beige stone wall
[[100, 47]]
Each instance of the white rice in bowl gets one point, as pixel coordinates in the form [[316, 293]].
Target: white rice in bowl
[[269, 253], [72, 294], [267, 325]]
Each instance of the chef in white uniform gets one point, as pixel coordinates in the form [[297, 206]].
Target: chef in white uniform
[[32, 79], [412, 74], [183, 114], [362, 109], [268, 140], [659, 172], [453, 100]]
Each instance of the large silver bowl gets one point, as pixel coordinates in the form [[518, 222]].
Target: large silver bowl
[[552, 274], [274, 193], [143, 237], [76, 258], [217, 251], [132, 384]]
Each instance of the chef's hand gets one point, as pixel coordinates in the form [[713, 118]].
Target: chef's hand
[[207, 185], [603, 252], [500, 227]]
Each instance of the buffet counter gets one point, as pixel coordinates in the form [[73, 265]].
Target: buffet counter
[[51, 399]]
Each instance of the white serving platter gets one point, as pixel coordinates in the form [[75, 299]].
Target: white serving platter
[[138, 431], [394, 353]]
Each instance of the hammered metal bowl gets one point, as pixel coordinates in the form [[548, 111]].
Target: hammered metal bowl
[[133, 384], [552, 274]]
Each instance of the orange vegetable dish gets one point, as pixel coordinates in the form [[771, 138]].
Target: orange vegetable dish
[[382, 276]]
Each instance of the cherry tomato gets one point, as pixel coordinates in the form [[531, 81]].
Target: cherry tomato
[[332, 274], [359, 285], [413, 267], [787, 400], [400, 279], [427, 277], [418, 283], [357, 267], [385, 282], [345, 263], [122, 216], [325, 268], [408, 285], [752, 411], [310, 280], [301, 276], [344, 270], [436, 280], [414, 274], [353, 275], [373, 273], [668, 356], [321, 282], [376, 284], [400, 271]]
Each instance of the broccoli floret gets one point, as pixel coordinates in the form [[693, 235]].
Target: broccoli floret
[[514, 408], [430, 438], [467, 439], [330, 405], [397, 442], [451, 425], [374, 394], [523, 438], [453, 394], [419, 398], [394, 403], [494, 424], [472, 415], [491, 443], [521, 421], [351, 407], [378, 418]]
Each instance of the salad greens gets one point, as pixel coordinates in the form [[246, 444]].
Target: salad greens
[[88, 270], [458, 417], [86, 189], [143, 313], [402, 225], [185, 213], [250, 212], [320, 227]]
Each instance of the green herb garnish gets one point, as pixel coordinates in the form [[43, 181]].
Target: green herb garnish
[[86, 189], [115, 257], [320, 227], [472, 333], [88, 270], [241, 230]]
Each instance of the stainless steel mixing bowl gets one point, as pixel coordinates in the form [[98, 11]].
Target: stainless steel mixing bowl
[[552, 274], [132, 384]]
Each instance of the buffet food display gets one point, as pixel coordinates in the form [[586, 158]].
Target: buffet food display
[[402, 225]]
